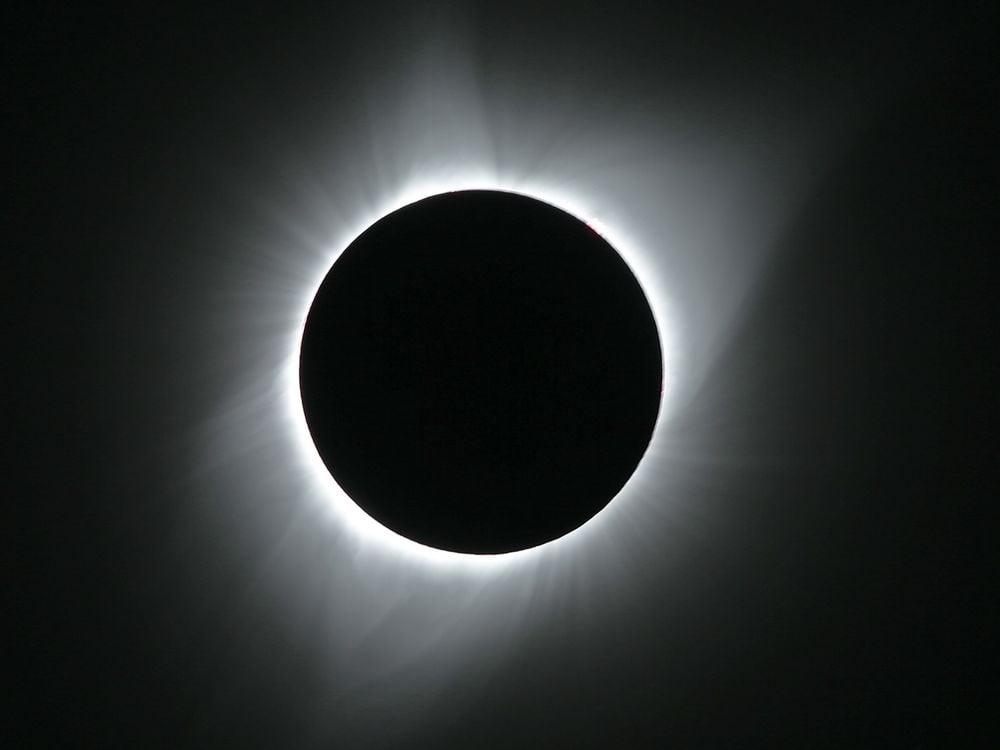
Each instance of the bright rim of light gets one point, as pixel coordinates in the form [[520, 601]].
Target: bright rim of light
[[365, 529]]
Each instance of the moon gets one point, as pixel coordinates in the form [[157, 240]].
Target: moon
[[481, 372]]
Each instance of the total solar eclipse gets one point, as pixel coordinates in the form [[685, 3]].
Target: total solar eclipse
[[480, 372]]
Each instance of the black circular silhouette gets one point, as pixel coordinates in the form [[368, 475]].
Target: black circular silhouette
[[480, 372]]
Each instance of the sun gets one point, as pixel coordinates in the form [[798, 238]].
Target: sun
[[363, 529]]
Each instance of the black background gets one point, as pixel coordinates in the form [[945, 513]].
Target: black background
[[842, 596]]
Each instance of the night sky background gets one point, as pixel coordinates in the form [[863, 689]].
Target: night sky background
[[813, 571]]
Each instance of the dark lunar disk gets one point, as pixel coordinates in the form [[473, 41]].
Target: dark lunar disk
[[480, 372]]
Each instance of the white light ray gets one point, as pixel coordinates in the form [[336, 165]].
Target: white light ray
[[692, 211]]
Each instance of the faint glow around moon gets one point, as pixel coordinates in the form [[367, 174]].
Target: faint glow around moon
[[691, 209], [693, 200], [345, 511]]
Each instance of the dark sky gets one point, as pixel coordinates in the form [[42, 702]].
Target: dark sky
[[808, 554]]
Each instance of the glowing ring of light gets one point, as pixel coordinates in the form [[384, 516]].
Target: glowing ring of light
[[365, 529]]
